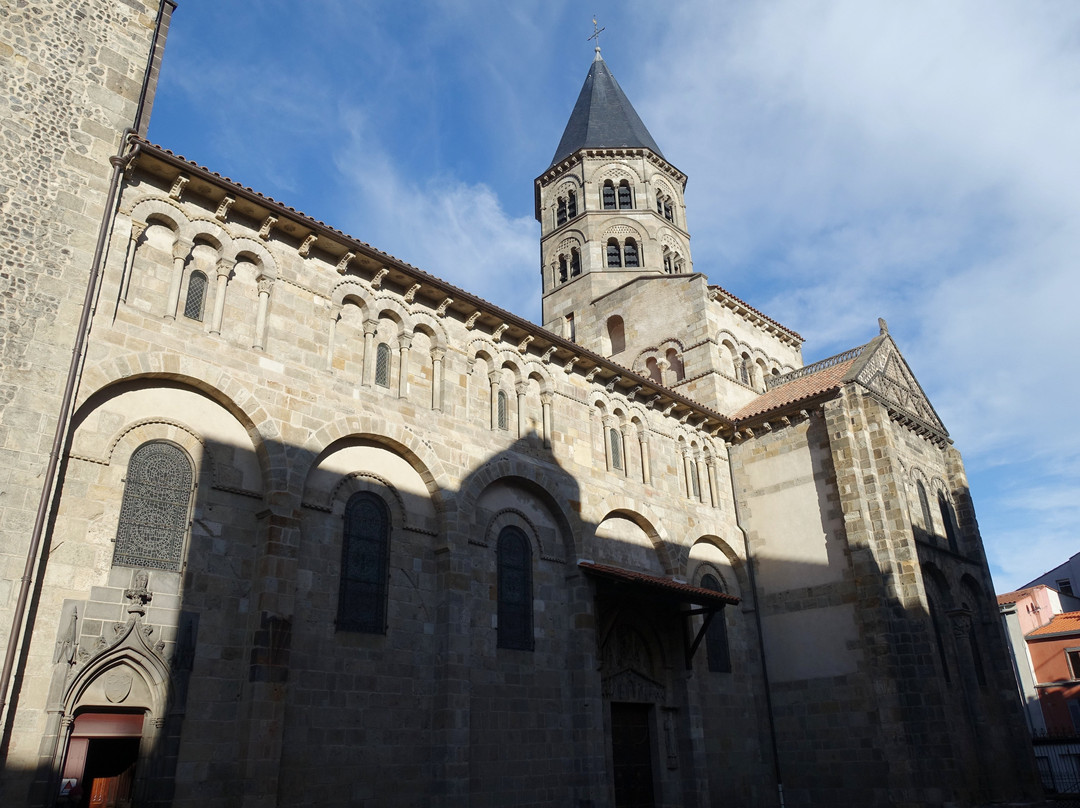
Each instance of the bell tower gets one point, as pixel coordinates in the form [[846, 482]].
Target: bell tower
[[610, 208]]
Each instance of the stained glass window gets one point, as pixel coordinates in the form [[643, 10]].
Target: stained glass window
[[716, 639], [196, 296], [365, 551], [382, 365], [515, 589], [154, 510]]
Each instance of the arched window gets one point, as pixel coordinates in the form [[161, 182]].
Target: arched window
[[676, 364], [652, 368], [382, 365], [616, 448], [669, 267], [625, 199], [613, 253], [575, 262], [562, 269], [500, 406], [948, 518], [196, 296], [560, 214], [660, 204], [365, 560], [630, 253], [744, 370], [608, 195], [515, 589], [571, 205], [927, 517], [668, 213], [616, 334], [154, 512], [695, 483], [716, 638], [939, 639]]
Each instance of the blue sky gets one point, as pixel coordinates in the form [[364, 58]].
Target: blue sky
[[847, 160]]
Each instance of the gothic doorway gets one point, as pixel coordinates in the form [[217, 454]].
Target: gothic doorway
[[632, 754], [99, 767]]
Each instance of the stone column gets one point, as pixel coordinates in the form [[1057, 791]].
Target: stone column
[[404, 344], [714, 482], [703, 478], [546, 398], [181, 250], [493, 379], [224, 268], [137, 231], [521, 388], [266, 283], [437, 355], [646, 461], [335, 315], [371, 325]]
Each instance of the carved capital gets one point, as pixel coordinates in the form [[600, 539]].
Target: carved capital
[[437, 354], [371, 325], [546, 397], [521, 388], [494, 377], [266, 283], [225, 267], [405, 341], [181, 249], [137, 230]]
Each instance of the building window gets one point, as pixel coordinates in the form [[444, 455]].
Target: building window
[[154, 511], [1064, 586], [608, 196], [924, 505], [365, 554], [940, 640], [630, 253], [382, 365], [668, 213], [695, 483], [560, 214], [562, 269], [196, 296], [744, 370], [660, 205], [515, 589], [716, 639], [500, 406], [669, 267], [575, 262], [625, 200], [614, 254], [948, 518], [571, 205], [1073, 657], [616, 334], [616, 448]]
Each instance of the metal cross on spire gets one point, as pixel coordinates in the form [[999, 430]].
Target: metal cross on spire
[[596, 34]]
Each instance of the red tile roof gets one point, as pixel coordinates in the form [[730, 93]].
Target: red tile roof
[[694, 594], [1012, 597], [1067, 623], [803, 388]]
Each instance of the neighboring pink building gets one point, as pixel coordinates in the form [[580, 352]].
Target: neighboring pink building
[[1023, 612]]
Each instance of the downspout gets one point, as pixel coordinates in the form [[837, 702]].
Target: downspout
[[752, 580], [119, 162]]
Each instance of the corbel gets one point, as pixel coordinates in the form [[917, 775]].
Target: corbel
[[497, 334], [614, 381], [376, 282], [343, 264], [267, 226], [178, 186], [569, 366], [547, 354], [441, 311], [633, 392], [471, 322], [592, 374], [653, 401], [309, 242], [525, 343], [411, 294], [222, 211]]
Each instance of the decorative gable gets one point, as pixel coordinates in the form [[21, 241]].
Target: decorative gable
[[886, 375]]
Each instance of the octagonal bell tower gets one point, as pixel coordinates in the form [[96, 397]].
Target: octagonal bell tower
[[610, 208]]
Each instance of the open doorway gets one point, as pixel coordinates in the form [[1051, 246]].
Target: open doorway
[[632, 755], [99, 768]]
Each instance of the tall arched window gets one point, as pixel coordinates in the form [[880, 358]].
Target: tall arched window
[[669, 267], [660, 204], [196, 296], [382, 365], [668, 211], [575, 262], [616, 448], [744, 370], [154, 512], [625, 199], [614, 254], [616, 334], [560, 212], [607, 195], [948, 518], [716, 639], [924, 505], [515, 589], [562, 269], [630, 253], [500, 406], [571, 204], [365, 561]]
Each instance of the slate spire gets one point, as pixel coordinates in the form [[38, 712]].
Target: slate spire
[[603, 117]]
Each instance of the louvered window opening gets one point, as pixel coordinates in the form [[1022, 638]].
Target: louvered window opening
[[571, 205], [515, 626], [365, 557], [625, 200], [613, 254], [630, 254], [155, 508], [196, 296], [609, 196], [616, 449], [382, 365]]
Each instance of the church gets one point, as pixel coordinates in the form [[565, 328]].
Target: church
[[287, 521]]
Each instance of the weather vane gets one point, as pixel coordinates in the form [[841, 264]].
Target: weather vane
[[596, 34]]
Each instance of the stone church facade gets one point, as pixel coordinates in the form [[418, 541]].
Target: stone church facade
[[323, 529]]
